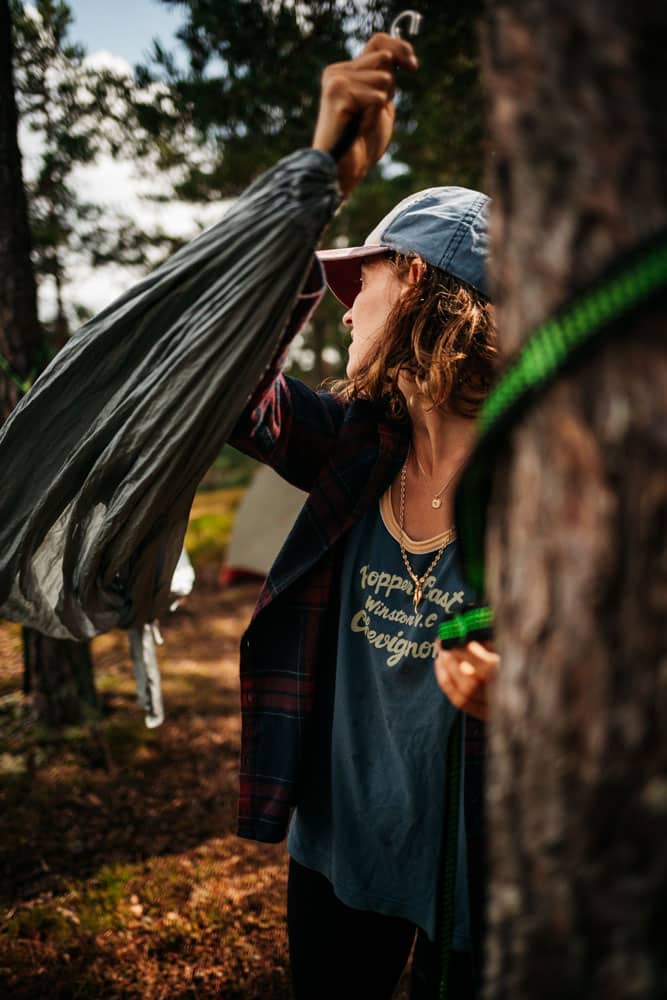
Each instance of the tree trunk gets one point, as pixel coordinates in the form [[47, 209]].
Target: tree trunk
[[58, 673], [577, 798], [59, 677], [20, 336], [576, 546], [61, 330]]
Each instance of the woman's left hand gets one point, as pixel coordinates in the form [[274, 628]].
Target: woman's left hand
[[464, 674]]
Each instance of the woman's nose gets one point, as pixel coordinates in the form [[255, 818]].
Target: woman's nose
[[347, 318]]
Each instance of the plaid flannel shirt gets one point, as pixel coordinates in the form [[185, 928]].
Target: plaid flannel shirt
[[344, 456]]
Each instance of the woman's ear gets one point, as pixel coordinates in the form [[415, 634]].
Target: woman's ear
[[417, 271]]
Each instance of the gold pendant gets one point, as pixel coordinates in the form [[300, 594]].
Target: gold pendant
[[417, 595], [436, 503]]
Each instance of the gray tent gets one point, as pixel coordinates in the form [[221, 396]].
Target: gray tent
[[263, 521]]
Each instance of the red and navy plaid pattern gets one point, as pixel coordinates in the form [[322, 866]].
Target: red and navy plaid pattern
[[344, 458]]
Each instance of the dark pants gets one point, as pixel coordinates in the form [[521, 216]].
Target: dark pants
[[339, 952]]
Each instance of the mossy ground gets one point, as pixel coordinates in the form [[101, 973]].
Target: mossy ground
[[121, 872], [121, 875], [211, 524]]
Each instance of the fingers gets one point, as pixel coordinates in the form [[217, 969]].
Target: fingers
[[375, 67], [366, 89], [364, 86], [458, 679], [399, 52], [482, 658], [464, 673], [462, 693]]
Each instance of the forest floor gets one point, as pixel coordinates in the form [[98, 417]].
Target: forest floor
[[121, 875]]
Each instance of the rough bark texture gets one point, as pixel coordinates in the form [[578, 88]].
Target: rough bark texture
[[57, 672], [19, 330], [64, 689], [576, 546]]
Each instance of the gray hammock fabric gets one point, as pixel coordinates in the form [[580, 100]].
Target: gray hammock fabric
[[143, 640], [101, 459]]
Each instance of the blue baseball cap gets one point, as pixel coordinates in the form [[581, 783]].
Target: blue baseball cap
[[445, 226]]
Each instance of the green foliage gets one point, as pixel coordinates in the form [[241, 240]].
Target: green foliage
[[231, 469], [438, 133], [207, 538], [87, 909], [438, 138], [249, 95], [103, 903], [78, 112], [210, 525]]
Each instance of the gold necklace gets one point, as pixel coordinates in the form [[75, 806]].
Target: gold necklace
[[417, 581], [436, 502]]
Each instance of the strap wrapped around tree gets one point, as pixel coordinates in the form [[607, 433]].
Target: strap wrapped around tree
[[631, 282], [101, 459]]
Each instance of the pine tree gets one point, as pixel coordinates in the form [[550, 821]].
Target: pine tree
[[249, 94], [75, 112], [58, 673]]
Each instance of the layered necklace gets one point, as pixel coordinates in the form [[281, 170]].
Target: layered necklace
[[419, 581]]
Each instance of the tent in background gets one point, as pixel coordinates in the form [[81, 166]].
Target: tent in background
[[264, 519]]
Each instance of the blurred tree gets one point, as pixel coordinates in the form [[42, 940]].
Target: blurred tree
[[59, 674], [76, 112], [249, 94], [20, 334], [577, 540]]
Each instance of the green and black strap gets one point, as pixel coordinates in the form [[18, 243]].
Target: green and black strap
[[632, 282], [474, 623]]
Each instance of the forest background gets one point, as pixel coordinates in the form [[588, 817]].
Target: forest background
[[120, 872]]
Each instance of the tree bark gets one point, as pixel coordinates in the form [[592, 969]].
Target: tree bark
[[61, 330], [576, 542], [64, 688], [20, 336], [59, 673]]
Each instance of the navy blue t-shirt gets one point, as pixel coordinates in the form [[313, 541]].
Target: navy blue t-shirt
[[376, 831]]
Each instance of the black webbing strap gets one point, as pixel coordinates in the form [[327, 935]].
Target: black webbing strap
[[453, 792], [633, 281]]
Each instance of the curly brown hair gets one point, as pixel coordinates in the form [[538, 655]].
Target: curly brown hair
[[441, 334]]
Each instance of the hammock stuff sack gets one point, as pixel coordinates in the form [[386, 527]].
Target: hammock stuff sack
[[101, 459]]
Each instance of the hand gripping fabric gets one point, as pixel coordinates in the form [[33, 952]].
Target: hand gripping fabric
[[634, 281], [101, 459]]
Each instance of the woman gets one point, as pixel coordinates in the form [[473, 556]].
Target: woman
[[345, 724]]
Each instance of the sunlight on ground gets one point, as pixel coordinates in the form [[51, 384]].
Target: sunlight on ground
[[122, 875]]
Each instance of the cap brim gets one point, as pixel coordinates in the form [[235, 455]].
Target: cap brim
[[342, 269]]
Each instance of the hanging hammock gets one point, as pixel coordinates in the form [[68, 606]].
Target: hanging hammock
[[101, 459]]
